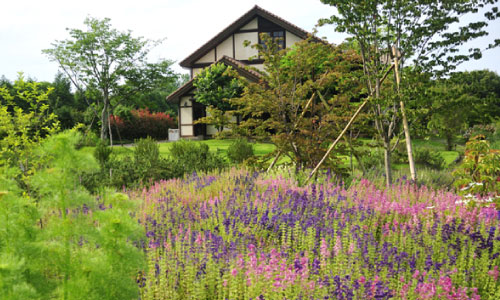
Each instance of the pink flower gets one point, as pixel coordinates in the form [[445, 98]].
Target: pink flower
[[234, 272], [324, 249], [494, 273], [338, 246]]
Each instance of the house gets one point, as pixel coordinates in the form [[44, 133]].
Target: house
[[228, 48]]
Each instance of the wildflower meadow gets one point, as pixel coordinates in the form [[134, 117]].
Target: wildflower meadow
[[243, 235]]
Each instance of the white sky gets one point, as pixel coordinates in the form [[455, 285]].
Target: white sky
[[28, 26]]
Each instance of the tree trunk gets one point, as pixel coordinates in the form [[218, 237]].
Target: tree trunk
[[387, 162], [105, 115], [411, 162], [104, 121]]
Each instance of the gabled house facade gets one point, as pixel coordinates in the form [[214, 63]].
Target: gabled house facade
[[228, 48]]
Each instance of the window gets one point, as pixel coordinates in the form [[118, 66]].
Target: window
[[277, 37]]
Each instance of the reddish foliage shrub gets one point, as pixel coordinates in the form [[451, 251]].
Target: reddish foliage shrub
[[142, 123]]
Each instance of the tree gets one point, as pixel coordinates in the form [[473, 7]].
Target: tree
[[441, 107], [110, 62], [25, 120], [302, 101], [215, 86], [392, 33]]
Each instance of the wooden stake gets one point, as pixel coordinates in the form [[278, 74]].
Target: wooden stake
[[360, 108]]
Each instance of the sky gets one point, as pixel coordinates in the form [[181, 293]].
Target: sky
[[28, 26]]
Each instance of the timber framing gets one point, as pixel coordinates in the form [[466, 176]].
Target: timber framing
[[242, 69], [263, 16]]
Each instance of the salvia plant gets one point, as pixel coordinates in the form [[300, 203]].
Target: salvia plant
[[241, 235]]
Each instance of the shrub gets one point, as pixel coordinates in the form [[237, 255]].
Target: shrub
[[102, 152], [239, 151], [146, 151], [429, 158], [191, 157], [142, 123], [480, 171], [88, 139], [373, 160]]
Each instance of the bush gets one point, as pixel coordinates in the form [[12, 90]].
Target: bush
[[373, 160], [146, 151], [88, 139], [239, 151], [102, 152], [141, 124], [191, 157], [429, 158]]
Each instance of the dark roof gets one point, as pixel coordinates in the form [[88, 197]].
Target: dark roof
[[243, 20], [242, 69]]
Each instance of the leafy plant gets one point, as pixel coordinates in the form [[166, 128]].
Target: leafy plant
[[239, 151], [188, 157], [69, 245], [429, 158], [479, 174], [102, 152]]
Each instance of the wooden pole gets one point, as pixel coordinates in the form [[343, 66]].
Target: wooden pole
[[413, 170], [347, 126], [360, 108]]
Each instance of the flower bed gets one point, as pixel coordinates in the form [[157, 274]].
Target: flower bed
[[239, 235]]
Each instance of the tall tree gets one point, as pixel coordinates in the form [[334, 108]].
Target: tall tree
[[303, 99], [391, 34], [109, 61], [215, 86]]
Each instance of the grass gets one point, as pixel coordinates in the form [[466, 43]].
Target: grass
[[261, 149]]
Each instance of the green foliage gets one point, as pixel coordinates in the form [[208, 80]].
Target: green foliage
[[217, 84], [480, 171], [142, 168], [429, 158], [62, 243], [110, 64], [88, 139], [419, 34], [188, 157], [239, 151], [102, 152], [25, 120], [146, 152], [303, 100], [373, 160]]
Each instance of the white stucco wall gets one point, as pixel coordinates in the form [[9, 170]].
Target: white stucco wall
[[207, 58], [187, 130], [186, 113], [291, 39], [250, 25], [211, 130], [225, 48], [242, 52]]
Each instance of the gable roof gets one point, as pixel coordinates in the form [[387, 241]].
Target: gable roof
[[243, 20], [242, 69]]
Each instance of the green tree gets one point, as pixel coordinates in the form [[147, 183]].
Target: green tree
[[392, 34], [302, 100], [215, 86], [110, 62], [25, 120]]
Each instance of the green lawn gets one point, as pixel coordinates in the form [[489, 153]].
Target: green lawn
[[265, 148], [222, 145]]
